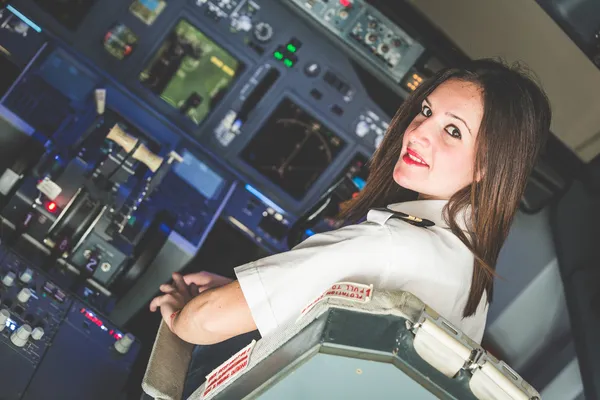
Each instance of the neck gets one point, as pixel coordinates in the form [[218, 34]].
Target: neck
[[428, 197]]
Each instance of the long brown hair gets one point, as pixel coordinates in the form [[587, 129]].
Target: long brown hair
[[514, 127]]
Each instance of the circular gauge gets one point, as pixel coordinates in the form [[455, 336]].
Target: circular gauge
[[263, 32], [292, 149]]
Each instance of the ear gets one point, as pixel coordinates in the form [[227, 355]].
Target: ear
[[479, 176]]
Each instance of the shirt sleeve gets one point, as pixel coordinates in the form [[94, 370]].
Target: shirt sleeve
[[278, 287]]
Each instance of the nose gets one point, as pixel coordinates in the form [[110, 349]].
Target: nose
[[422, 134]]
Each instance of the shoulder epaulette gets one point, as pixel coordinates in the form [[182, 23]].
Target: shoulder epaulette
[[422, 222]]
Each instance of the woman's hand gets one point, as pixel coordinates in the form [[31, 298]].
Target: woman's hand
[[201, 281], [175, 298], [197, 282], [182, 290]]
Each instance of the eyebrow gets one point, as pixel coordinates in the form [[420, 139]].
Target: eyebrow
[[453, 116]]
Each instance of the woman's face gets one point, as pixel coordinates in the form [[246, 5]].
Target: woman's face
[[438, 148]]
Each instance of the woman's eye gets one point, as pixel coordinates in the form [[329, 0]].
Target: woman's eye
[[426, 111], [453, 131]]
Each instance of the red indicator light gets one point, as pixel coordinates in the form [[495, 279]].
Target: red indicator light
[[346, 3], [51, 206]]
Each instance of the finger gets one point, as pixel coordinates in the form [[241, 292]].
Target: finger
[[194, 291], [166, 288], [199, 278], [205, 288], [156, 302], [179, 283]]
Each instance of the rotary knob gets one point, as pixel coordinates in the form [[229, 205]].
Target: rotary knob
[[37, 333], [124, 344], [26, 276], [4, 316], [383, 48], [21, 335], [371, 38], [263, 32], [9, 279], [24, 295]]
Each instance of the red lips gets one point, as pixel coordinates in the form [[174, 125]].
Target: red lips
[[413, 160]]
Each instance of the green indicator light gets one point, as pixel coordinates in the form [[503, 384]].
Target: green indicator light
[[291, 48], [278, 55], [288, 62]]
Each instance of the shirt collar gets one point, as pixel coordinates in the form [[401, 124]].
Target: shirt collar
[[431, 210]]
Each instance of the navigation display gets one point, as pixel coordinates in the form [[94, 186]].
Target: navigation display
[[191, 72], [292, 149]]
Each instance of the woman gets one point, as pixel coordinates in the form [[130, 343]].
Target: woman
[[457, 155]]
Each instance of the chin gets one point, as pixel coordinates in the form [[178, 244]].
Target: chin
[[401, 179]]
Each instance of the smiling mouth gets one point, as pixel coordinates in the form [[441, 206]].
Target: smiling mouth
[[413, 158]]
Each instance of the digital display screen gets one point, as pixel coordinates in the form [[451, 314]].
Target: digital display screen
[[120, 41], [292, 149], [147, 10], [61, 73], [199, 175], [69, 13], [90, 316], [190, 72]]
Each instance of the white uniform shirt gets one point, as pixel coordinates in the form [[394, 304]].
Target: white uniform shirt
[[431, 263]]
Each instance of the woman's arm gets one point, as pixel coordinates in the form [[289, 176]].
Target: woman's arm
[[278, 287], [214, 316]]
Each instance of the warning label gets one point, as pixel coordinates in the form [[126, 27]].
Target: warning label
[[344, 290], [227, 371]]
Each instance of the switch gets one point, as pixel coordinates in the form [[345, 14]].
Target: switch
[[9, 279], [21, 335], [122, 345], [362, 129], [26, 276], [244, 23], [296, 43], [24, 295], [4, 316], [337, 110], [312, 69], [37, 333], [316, 94]]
